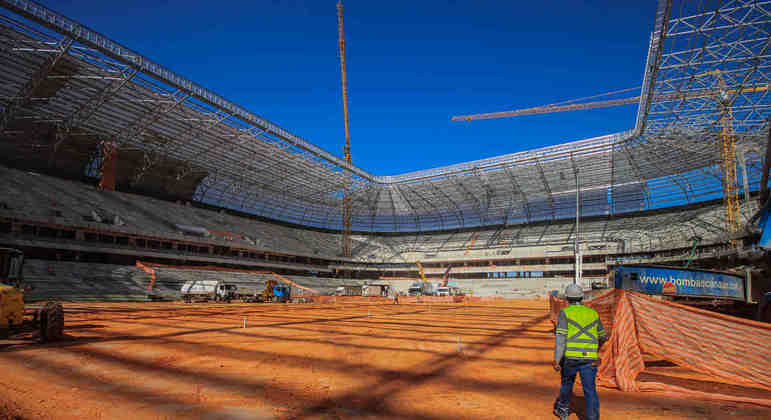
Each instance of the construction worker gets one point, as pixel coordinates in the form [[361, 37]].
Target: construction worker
[[579, 335]]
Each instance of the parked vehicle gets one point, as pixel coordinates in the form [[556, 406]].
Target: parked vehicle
[[349, 290], [274, 291], [49, 320], [250, 293], [421, 288], [282, 293], [376, 290], [208, 290]]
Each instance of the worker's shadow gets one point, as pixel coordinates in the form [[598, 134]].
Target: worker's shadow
[[578, 407]]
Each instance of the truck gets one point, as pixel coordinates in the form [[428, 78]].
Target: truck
[[349, 290], [282, 293], [275, 292], [208, 290], [448, 291], [252, 292], [48, 320], [421, 288], [376, 290]]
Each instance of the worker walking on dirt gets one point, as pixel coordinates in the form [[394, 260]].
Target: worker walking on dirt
[[579, 335]]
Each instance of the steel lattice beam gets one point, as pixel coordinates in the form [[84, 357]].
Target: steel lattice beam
[[25, 94]]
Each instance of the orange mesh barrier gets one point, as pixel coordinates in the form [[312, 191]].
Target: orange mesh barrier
[[722, 346]]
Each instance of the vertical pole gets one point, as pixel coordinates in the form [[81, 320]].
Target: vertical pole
[[347, 182], [576, 250]]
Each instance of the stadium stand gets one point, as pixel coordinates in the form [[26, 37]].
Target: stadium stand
[[71, 281], [490, 262], [40, 197]]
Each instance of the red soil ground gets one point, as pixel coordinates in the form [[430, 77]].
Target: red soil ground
[[333, 361]]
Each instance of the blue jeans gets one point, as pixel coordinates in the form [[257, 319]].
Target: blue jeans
[[588, 371]]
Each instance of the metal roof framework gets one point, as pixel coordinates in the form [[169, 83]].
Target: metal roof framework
[[251, 164]]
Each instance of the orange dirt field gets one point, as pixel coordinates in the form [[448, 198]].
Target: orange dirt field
[[331, 361]]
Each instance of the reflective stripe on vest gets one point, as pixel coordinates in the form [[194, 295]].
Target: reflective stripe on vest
[[582, 338]]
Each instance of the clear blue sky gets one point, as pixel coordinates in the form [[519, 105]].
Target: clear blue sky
[[411, 66]]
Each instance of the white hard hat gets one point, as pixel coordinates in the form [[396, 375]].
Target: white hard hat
[[574, 291]]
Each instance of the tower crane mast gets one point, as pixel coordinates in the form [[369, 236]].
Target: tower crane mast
[[347, 182]]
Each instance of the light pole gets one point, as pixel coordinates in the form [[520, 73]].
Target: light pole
[[576, 251]]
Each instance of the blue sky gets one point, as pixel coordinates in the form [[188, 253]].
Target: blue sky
[[411, 66]]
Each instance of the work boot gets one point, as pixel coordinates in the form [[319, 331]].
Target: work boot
[[561, 414]]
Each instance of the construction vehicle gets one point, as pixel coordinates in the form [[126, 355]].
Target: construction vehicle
[[252, 292], [349, 290], [448, 291], [208, 290], [376, 290], [267, 293], [423, 287], [276, 292], [49, 320], [282, 293], [444, 289]]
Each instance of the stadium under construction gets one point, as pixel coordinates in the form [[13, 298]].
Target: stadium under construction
[[128, 189]]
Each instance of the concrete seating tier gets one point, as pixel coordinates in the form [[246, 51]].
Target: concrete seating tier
[[74, 203], [74, 281]]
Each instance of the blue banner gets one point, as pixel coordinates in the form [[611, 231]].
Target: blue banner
[[678, 282]]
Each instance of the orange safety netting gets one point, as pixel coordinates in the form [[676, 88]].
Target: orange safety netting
[[148, 268], [734, 349]]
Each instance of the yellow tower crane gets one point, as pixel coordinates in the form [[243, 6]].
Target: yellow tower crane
[[723, 96], [347, 182], [727, 154]]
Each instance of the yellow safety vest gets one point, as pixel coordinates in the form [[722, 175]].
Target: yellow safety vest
[[582, 334]]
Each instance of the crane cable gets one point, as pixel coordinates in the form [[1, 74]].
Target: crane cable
[[615, 92]]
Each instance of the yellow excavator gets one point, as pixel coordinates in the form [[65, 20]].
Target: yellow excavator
[[422, 287], [49, 320]]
